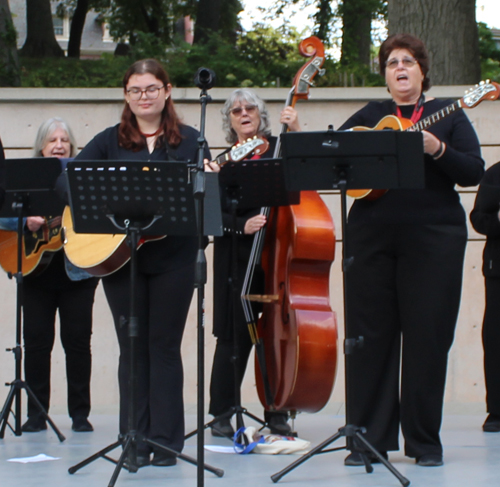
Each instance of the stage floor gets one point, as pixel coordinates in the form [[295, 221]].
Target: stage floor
[[472, 458]]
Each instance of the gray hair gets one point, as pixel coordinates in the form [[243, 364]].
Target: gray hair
[[249, 96], [46, 130]]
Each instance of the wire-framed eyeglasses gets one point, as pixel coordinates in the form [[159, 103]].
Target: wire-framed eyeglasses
[[408, 62]]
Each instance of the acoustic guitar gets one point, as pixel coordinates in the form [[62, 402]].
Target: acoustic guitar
[[99, 254], [37, 248], [485, 90]]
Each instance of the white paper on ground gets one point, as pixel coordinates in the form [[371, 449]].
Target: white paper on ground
[[41, 457], [220, 449]]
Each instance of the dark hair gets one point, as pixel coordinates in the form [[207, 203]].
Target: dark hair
[[129, 135], [412, 44]]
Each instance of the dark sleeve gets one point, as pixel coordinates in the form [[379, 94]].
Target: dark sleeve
[[2, 175], [461, 161], [99, 147], [484, 215]]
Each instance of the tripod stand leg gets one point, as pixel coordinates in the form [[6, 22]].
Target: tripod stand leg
[[319, 449], [4, 417], [38, 404], [100, 454], [404, 481]]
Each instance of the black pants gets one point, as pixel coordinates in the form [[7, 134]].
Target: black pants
[[403, 296], [43, 296], [491, 345], [162, 303]]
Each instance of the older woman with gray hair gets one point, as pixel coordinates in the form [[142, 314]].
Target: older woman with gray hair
[[244, 116], [58, 287]]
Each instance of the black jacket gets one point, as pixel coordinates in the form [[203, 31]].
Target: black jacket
[[484, 219]]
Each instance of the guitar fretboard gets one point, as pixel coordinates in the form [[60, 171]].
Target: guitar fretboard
[[435, 117]]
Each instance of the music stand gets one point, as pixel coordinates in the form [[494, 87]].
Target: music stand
[[29, 192], [135, 198], [352, 160], [246, 185]]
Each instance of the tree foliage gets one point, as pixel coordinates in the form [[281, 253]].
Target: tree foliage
[[217, 16]]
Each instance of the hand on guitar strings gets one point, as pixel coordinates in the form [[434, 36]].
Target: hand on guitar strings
[[211, 166], [432, 145], [34, 223]]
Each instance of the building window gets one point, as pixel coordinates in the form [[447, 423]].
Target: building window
[[58, 26]]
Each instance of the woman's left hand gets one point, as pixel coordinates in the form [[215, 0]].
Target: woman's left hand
[[211, 166], [290, 117]]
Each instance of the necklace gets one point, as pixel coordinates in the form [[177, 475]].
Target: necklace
[[150, 135]]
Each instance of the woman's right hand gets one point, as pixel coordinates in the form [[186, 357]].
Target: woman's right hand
[[34, 223], [254, 224]]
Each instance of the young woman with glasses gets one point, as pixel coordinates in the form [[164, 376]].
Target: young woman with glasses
[[150, 130]]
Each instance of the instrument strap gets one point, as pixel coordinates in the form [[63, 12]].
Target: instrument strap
[[417, 111]]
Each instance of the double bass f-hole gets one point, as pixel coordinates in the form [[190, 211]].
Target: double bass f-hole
[[285, 317]]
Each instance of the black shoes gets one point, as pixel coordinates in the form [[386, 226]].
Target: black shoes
[[492, 424], [355, 459], [163, 459], [81, 425], [277, 424], [34, 425], [430, 460], [222, 429]]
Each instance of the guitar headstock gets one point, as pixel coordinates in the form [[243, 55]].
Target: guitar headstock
[[485, 90], [259, 145]]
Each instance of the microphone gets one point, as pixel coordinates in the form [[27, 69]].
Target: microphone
[[204, 78]]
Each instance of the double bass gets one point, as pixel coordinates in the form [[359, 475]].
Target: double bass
[[296, 335]]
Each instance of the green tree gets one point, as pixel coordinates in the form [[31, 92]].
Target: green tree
[[9, 63]]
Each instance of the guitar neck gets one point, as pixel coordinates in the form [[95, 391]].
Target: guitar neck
[[435, 117]]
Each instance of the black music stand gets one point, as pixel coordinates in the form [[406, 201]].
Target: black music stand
[[29, 192], [246, 185], [136, 198], [352, 160]]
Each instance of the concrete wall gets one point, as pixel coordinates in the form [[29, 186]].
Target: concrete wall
[[89, 111]]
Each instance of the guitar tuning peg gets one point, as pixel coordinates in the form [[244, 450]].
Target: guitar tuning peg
[[481, 83], [476, 86], [488, 81]]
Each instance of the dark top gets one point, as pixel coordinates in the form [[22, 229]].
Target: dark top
[[484, 218], [438, 202], [172, 252], [222, 259]]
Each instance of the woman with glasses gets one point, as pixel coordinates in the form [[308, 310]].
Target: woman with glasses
[[404, 285], [244, 116], [150, 130]]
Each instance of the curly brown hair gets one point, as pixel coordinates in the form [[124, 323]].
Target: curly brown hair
[[129, 135], [412, 44]]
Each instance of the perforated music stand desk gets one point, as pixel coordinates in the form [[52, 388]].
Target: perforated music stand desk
[[351, 160], [159, 192]]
